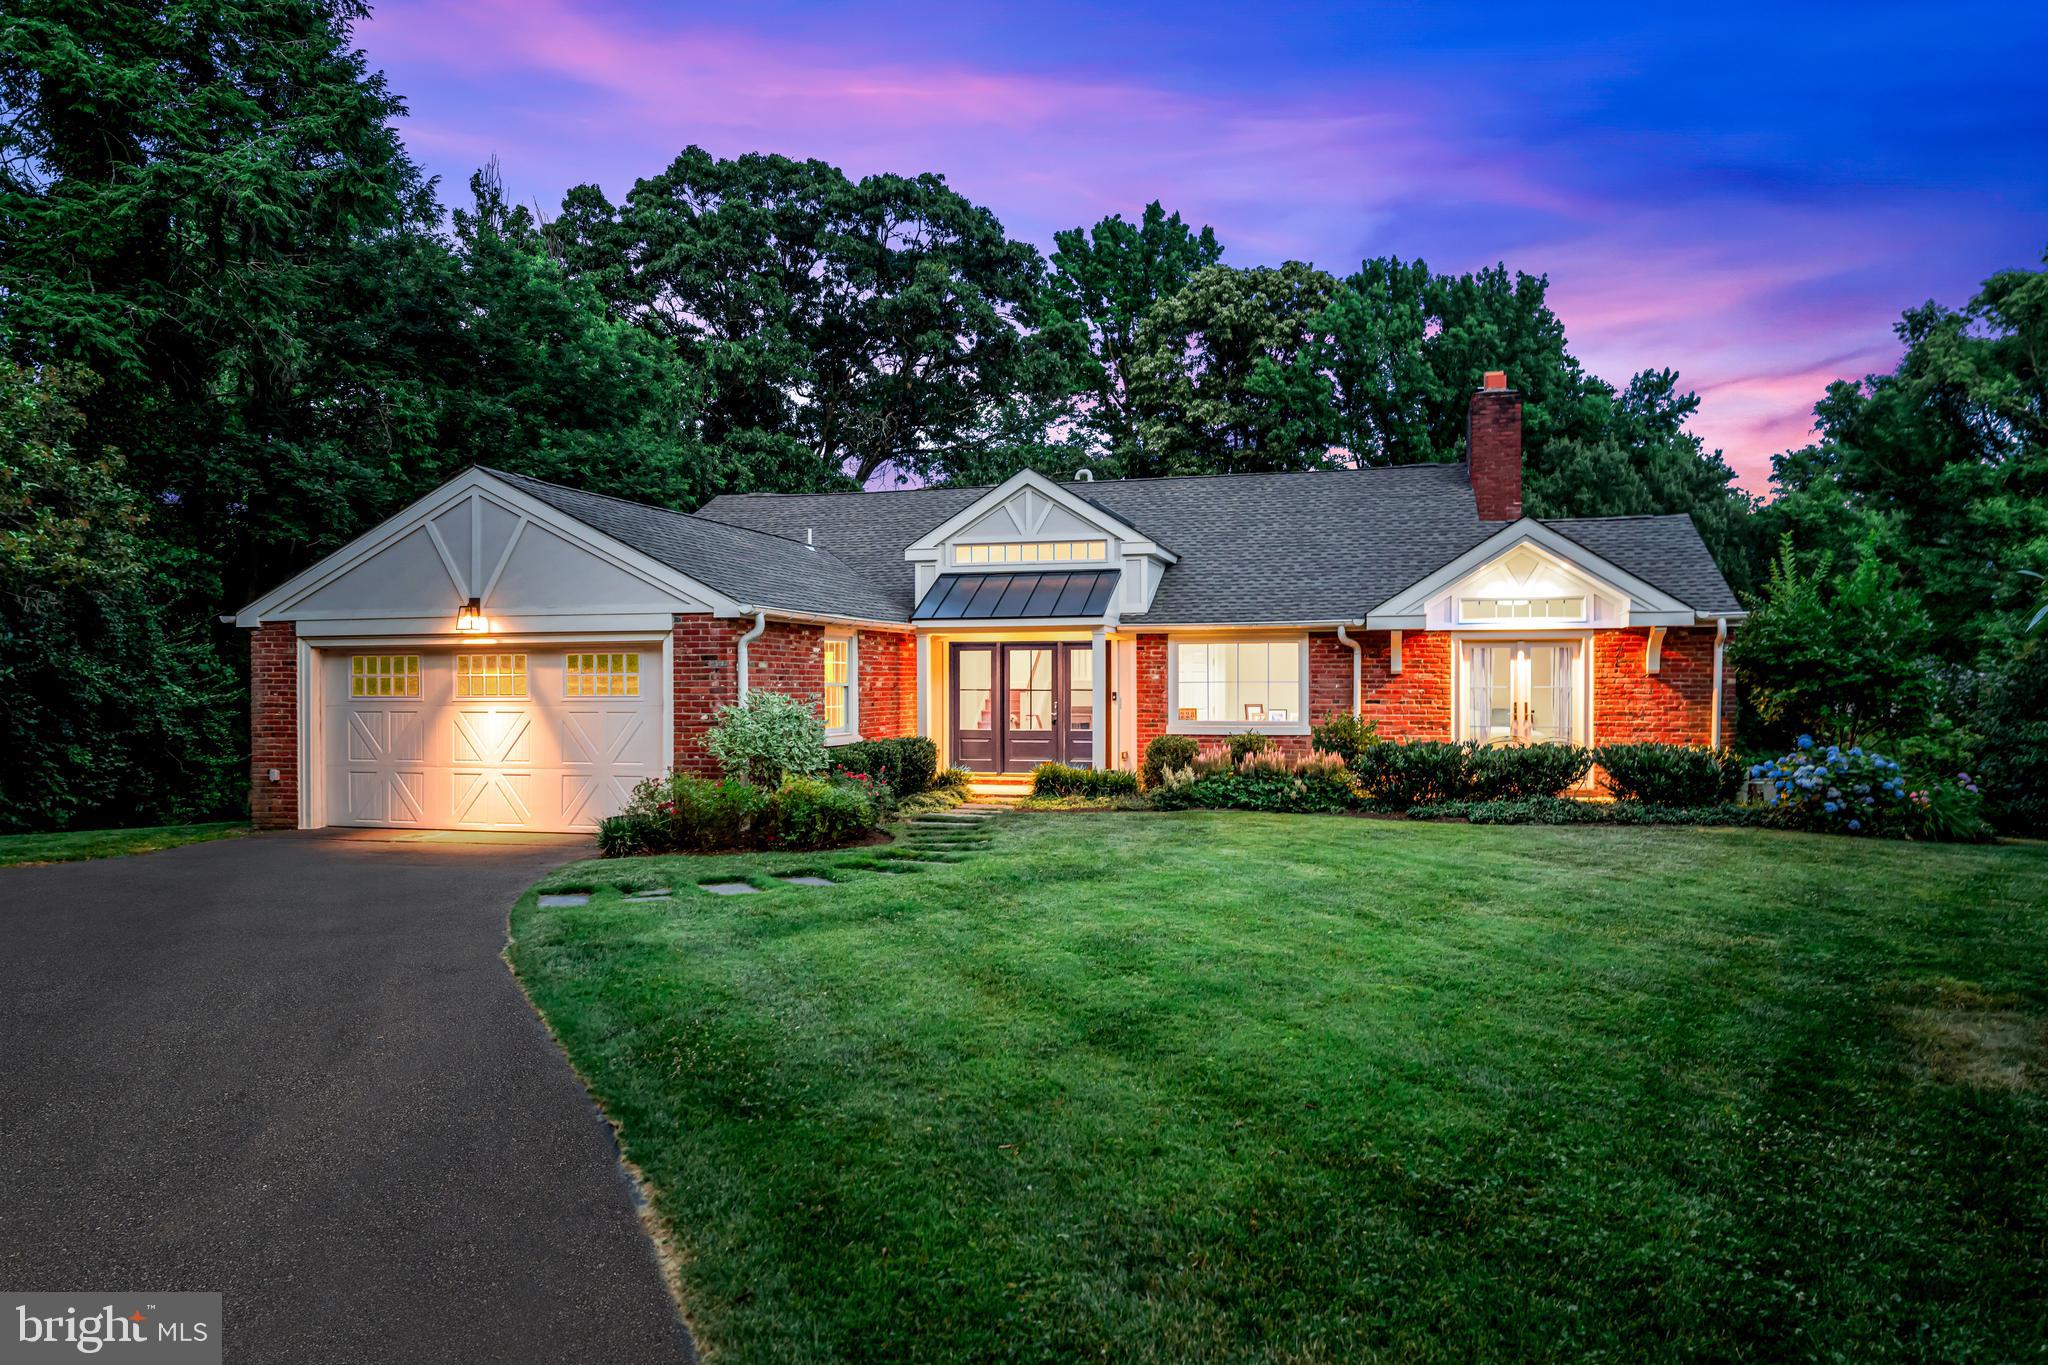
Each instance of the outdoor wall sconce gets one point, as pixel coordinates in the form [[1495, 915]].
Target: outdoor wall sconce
[[470, 617]]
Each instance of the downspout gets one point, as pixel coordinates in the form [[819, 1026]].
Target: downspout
[[760, 624], [1357, 668], [1720, 644]]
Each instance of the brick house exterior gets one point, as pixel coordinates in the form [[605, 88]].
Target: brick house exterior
[[1009, 624]]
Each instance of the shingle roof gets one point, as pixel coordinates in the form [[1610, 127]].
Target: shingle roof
[[1666, 552], [1253, 548], [753, 568]]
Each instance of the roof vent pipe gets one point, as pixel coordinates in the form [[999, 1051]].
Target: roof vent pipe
[[809, 542], [1084, 476]]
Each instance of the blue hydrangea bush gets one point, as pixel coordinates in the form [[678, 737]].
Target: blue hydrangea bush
[[1831, 789]]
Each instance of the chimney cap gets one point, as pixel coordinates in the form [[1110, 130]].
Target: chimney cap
[[1495, 379]]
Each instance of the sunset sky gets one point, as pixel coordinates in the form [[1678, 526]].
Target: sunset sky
[[1748, 197]]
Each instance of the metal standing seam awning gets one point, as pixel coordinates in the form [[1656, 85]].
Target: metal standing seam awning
[[1018, 596]]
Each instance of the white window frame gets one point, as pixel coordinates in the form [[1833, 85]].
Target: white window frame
[[1584, 600], [1298, 725], [849, 732]]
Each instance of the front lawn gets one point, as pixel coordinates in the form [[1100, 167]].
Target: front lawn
[[75, 845], [1220, 1086]]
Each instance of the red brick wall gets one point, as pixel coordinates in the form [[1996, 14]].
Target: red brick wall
[[888, 684], [789, 657], [1416, 702], [1150, 670], [274, 725], [1671, 706], [1493, 452], [706, 678]]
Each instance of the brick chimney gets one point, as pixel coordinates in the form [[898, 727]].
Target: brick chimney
[[1493, 448]]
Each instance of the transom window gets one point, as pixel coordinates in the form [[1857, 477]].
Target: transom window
[[838, 682], [602, 675], [490, 675], [384, 675], [1522, 609], [1238, 682], [1034, 552]]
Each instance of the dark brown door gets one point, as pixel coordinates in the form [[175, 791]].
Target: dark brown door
[[977, 741], [1031, 707], [1077, 713]]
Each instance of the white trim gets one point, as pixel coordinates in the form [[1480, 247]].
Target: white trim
[[1407, 608], [455, 577], [278, 603], [1653, 652], [310, 814], [1720, 644], [933, 541], [1098, 724], [1297, 726], [849, 732], [578, 626], [511, 544]]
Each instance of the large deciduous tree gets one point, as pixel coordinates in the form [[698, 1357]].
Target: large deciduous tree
[[1106, 280], [846, 327], [1228, 375]]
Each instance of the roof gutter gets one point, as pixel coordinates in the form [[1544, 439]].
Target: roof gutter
[[1357, 666], [760, 624]]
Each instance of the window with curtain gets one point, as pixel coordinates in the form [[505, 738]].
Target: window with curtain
[[1238, 682], [838, 682]]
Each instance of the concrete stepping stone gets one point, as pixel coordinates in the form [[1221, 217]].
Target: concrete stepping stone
[[808, 881], [554, 902], [728, 888], [656, 893]]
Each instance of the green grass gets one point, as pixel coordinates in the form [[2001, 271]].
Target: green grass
[[75, 845], [1235, 1087]]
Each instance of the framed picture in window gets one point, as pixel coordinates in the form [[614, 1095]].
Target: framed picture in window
[[1254, 710], [1279, 715], [1189, 712]]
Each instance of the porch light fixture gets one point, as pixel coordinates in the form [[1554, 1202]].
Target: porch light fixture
[[469, 618]]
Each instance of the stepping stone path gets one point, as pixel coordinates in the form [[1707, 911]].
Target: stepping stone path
[[728, 888], [948, 836], [659, 893], [807, 881], [555, 902]]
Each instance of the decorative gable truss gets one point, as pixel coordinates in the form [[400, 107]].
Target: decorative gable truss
[[529, 567], [1030, 524], [1527, 578]]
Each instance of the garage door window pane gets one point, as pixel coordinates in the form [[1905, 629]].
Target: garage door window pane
[[490, 675], [602, 675], [384, 675]]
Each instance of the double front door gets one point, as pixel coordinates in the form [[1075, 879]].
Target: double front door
[[1016, 706]]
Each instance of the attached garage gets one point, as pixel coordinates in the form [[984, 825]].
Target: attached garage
[[500, 737]]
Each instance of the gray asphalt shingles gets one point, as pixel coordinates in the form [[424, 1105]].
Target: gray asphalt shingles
[[1252, 548]]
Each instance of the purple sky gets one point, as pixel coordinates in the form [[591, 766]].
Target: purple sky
[[1748, 197]]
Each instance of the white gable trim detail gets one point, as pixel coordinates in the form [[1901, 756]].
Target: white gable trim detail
[[1033, 483], [1648, 606], [477, 487]]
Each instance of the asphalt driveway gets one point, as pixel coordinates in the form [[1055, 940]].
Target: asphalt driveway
[[294, 1069]]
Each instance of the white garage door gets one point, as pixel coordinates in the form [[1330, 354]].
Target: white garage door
[[497, 738]]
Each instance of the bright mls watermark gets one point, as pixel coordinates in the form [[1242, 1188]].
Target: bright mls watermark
[[174, 1329]]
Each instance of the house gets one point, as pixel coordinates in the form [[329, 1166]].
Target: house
[[509, 653]]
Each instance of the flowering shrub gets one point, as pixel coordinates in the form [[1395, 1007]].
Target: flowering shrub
[[1950, 810], [1264, 781], [684, 814], [1837, 790], [908, 764]]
